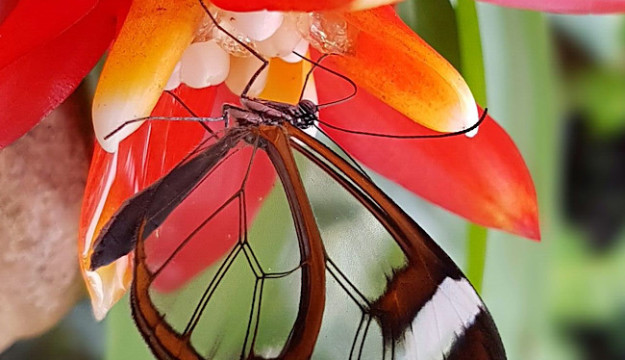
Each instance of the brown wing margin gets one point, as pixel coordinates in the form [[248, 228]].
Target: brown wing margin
[[411, 287], [303, 337], [167, 343]]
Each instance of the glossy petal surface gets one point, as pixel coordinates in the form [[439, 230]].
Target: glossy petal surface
[[25, 32], [483, 178], [299, 5], [391, 62], [34, 76], [566, 6], [153, 38], [6, 7]]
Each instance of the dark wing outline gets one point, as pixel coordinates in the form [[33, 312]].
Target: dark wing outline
[[427, 267], [166, 343], [154, 203]]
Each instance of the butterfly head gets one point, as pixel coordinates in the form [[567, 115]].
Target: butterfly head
[[307, 112]]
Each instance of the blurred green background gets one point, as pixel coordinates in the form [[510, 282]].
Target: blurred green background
[[556, 83]]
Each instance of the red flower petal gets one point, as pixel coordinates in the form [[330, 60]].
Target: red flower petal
[[46, 53], [483, 179], [566, 6], [394, 64], [6, 7], [31, 24]]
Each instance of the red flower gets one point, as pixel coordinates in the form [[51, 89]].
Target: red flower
[[404, 85]]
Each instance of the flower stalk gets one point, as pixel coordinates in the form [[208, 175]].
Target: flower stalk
[[472, 70]]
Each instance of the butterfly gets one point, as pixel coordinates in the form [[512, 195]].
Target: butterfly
[[358, 279]]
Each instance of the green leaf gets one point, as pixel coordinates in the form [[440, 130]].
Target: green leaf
[[472, 68], [435, 22], [123, 338]]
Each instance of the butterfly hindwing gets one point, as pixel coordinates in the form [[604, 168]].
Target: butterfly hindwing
[[427, 308]]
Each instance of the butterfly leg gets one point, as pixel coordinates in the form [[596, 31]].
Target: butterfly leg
[[254, 53]]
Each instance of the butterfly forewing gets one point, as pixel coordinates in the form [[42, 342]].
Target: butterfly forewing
[[247, 301]]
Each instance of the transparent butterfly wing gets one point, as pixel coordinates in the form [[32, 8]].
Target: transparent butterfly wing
[[344, 275]]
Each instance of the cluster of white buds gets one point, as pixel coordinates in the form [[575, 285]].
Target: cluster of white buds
[[214, 57]]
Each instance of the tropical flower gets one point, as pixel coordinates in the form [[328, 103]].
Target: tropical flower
[[566, 6], [405, 87]]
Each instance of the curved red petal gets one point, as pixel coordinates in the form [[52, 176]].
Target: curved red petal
[[282, 5], [566, 6], [6, 7], [483, 179], [45, 56], [32, 23]]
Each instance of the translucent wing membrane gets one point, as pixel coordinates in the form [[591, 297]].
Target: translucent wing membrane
[[341, 272], [409, 291], [249, 302]]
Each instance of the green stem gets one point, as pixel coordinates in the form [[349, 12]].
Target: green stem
[[471, 56], [476, 254], [472, 69]]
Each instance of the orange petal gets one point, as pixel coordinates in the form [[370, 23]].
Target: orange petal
[[391, 62], [151, 42], [285, 81]]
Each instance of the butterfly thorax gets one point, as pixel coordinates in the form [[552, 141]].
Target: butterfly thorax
[[258, 111]]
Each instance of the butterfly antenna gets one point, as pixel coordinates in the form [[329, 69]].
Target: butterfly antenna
[[264, 61], [309, 73], [188, 109], [333, 72], [431, 136]]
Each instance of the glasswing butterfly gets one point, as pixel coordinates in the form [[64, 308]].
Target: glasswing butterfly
[[357, 279]]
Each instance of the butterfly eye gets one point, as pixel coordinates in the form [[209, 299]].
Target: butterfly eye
[[308, 107]]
